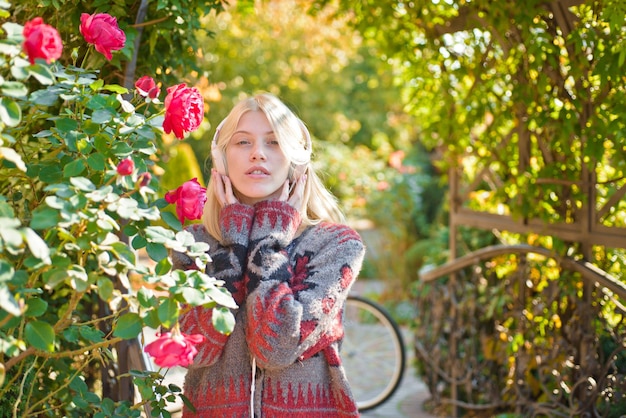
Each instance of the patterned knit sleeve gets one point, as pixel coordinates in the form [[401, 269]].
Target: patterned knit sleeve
[[295, 309], [227, 262]]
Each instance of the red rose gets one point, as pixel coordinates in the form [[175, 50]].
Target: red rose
[[177, 349], [101, 30], [126, 167], [184, 110], [189, 199], [41, 41], [146, 86], [144, 179]]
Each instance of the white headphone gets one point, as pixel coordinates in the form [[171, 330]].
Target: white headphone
[[219, 159]]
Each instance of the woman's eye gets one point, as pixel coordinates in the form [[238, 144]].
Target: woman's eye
[[241, 141]]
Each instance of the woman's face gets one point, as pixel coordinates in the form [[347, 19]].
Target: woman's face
[[256, 164]]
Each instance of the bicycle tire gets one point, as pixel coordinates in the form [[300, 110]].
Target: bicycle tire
[[373, 352]]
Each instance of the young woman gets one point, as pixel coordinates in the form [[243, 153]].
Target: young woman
[[278, 241]]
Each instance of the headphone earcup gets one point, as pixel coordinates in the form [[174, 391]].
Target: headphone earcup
[[218, 161], [296, 171]]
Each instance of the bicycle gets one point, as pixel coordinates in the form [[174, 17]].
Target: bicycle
[[372, 352]]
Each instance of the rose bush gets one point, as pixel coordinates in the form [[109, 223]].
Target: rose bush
[[84, 245]]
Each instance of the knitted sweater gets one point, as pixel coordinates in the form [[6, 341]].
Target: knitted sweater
[[291, 293]]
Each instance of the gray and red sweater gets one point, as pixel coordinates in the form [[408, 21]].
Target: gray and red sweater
[[291, 292]]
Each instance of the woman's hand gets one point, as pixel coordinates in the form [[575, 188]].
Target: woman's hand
[[294, 197], [223, 188]]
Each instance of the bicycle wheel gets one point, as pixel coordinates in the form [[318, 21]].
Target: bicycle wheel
[[372, 352]]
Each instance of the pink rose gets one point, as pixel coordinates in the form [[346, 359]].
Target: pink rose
[[41, 41], [101, 30], [189, 198], [184, 110], [126, 167], [146, 86], [177, 349]]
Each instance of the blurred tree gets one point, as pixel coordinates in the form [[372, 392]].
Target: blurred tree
[[334, 79], [528, 102]]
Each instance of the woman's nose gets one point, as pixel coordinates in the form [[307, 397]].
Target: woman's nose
[[258, 153]]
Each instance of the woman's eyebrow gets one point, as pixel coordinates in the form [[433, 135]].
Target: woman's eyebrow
[[266, 134]]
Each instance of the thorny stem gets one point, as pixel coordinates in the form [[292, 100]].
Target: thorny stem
[[60, 388], [21, 392]]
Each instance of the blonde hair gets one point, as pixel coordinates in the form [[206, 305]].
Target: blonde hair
[[318, 204]]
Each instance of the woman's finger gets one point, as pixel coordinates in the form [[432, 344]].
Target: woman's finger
[[228, 190], [218, 187], [284, 194], [295, 199]]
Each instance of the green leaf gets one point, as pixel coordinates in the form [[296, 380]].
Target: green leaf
[[37, 245], [44, 97], [44, 217], [14, 89], [42, 74], [105, 288], [6, 211], [171, 220], [168, 312], [96, 102], [97, 85], [51, 174], [128, 326], [121, 149], [193, 296], [163, 266], [139, 242], [82, 183], [124, 251], [221, 296], [66, 124], [92, 334], [156, 251], [36, 307], [13, 239], [10, 112], [10, 154], [159, 234], [52, 278], [146, 298], [151, 319], [8, 302], [115, 88], [74, 168], [223, 320], [101, 116], [40, 335]]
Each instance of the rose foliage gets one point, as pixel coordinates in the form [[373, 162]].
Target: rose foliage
[[84, 245]]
